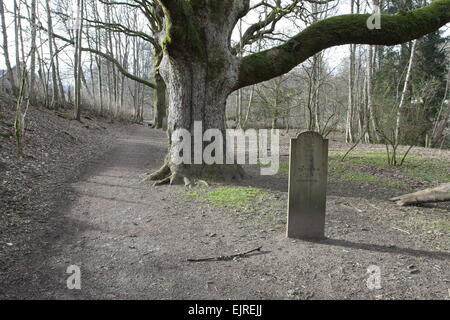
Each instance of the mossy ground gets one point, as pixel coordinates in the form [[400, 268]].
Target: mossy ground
[[231, 196], [250, 201], [372, 168], [6, 128], [5, 134], [65, 115]]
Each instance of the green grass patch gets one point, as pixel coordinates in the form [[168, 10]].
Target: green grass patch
[[231, 196], [5, 134], [371, 179], [249, 201], [429, 170], [65, 115], [283, 167], [374, 158], [358, 165], [420, 168]]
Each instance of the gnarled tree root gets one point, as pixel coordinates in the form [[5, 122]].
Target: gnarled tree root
[[161, 174], [194, 175]]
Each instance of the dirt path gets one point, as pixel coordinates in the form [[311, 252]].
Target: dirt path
[[132, 241]]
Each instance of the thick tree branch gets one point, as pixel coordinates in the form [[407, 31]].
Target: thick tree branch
[[339, 30]]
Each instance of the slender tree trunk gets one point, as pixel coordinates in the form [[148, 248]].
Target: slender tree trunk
[[403, 95], [16, 43], [62, 95], [249, 105], [98, 61], [350, 110], [349, 137], [42, 74], [372, 118], [122, 80], [100, 83], [114, 73], [5, 49], [442, 118], [55, 100], [78, 67], [135, 90], [275, 120], [441, 124], [85, 83], [317, 83], [141, 95], [309, 105], [239, 92], [33, 52]]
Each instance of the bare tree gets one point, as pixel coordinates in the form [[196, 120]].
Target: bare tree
[[78, 68], [55, 87], [6, 50], [33, 50]]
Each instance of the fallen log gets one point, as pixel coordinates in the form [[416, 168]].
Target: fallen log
[[440, 193]]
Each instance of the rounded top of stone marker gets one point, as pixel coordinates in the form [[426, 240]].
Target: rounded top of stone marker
[[309, 133]]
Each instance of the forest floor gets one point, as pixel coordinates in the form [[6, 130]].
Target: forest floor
[[133, 241]]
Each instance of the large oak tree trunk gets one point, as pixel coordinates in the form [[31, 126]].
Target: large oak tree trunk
[[193, 96], [199, 75]]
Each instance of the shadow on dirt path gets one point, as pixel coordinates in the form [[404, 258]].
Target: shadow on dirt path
[[132, 241]]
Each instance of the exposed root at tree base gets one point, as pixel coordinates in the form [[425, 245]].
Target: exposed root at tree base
[[195, 175], [161, 174]]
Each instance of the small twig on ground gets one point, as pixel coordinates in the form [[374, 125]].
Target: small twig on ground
[[226, 258], [352, 206], [359, 210], [398, 229]]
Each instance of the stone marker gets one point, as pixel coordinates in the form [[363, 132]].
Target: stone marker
[[308, 169]]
